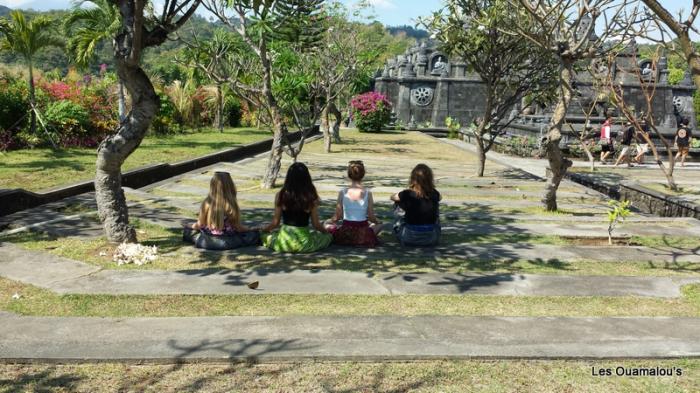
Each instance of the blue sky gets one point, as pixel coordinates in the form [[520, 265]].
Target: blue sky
[[389, 12]]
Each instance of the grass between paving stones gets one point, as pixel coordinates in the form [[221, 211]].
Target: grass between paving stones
[[176, 255], [39, 169], [429, 376], [42, 302]]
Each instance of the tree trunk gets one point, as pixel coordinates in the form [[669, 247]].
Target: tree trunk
[[32, 100], [668, 173], [591, 159], [481, 153], [326, 128], [122, 101], [220, 108], [279, 126], [111, 203], [691, 56], [338, 121], [274, 162], [558, 165]]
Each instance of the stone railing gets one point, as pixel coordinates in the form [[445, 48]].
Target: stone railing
[[15, 200]]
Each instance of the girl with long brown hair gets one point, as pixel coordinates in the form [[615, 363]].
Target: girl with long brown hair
[[219, 221], [295, 205], [420, 226]]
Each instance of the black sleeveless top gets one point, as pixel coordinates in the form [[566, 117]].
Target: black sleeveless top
[[295, 218]]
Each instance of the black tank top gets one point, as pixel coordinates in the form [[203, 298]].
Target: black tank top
[[295, 218]]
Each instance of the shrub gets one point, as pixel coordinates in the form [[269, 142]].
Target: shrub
[[453, 127], [696, 105], [232, 112], [69, 122], [164, 122], [14, 110], [371, 111], [675, 76]]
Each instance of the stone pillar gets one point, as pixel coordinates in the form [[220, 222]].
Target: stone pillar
[[403, 104], [441, 103], [460, 68]]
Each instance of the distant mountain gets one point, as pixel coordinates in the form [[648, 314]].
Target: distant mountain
[[4, 10], [409, 31]]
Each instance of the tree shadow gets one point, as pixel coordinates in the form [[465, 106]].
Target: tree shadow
[[44, 381]]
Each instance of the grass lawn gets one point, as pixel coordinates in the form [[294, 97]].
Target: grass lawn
[[40, 169], [42, 302], [176, 255], [429, 376]]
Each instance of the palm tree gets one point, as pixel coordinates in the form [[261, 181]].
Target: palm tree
[[89, 26], [25, 38]]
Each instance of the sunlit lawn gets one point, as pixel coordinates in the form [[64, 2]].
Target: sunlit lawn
[[40, 169]]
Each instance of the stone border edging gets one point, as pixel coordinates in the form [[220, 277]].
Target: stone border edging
[[642, 198], [14, 200], [25, 339]]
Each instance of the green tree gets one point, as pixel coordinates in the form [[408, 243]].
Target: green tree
[[264, 25], [26, 38], [89, 27], [139, 29], [509, 66]]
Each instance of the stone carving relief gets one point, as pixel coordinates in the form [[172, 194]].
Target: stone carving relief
[[682, 104], [422, 96]]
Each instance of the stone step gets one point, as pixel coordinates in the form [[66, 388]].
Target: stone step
[[66, 276], [350, 338]]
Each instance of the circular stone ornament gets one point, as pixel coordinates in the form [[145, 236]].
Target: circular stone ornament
[[422, 96]]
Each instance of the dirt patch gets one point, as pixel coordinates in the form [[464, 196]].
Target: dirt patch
[[599, 241]]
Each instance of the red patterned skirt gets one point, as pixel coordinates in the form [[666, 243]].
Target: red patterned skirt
[[354, 233]]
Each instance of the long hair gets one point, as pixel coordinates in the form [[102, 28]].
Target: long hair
[[220, 203], [298, 192], [421, 181]]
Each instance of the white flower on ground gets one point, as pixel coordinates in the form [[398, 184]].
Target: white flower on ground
[[16, 296], [135, 253]]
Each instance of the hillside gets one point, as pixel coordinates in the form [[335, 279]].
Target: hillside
[[4, 10]]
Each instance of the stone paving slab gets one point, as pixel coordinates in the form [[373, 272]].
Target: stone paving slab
[[353, 338], [533, 285], [570, 230], [65, 276]]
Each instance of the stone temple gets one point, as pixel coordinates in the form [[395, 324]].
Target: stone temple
[[426, 86]]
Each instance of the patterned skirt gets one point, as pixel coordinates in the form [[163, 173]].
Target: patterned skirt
[[297, 240], [355, 233]]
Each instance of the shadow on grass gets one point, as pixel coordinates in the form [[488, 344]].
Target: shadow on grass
[[46, 380]]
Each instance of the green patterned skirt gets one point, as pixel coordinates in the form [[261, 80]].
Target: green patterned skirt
[[297, 239]]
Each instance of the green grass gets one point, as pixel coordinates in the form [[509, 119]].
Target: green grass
[[42, 302], [176, 255], [492, 376], [40, 169]]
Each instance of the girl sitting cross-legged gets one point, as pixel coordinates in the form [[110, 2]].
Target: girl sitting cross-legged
[[420, 226], [296, 204], [218, 226], [356, 207]]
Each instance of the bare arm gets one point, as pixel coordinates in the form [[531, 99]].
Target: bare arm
[[201, 218], [315, 221], [395, 197], [276, 218], [338, 208], [370, 209]]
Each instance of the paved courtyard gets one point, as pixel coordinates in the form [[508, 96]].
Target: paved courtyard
[[509, 280]]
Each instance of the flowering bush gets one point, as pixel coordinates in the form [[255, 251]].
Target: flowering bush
[[371, 111], [14, 109], [137, 254]]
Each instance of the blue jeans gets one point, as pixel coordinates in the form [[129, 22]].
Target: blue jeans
[[416, 235]]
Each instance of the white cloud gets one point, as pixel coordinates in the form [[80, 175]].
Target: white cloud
[[13, 3], [383, 4]]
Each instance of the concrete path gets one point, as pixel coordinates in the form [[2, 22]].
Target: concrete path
[[65, 276], [361, 338]]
